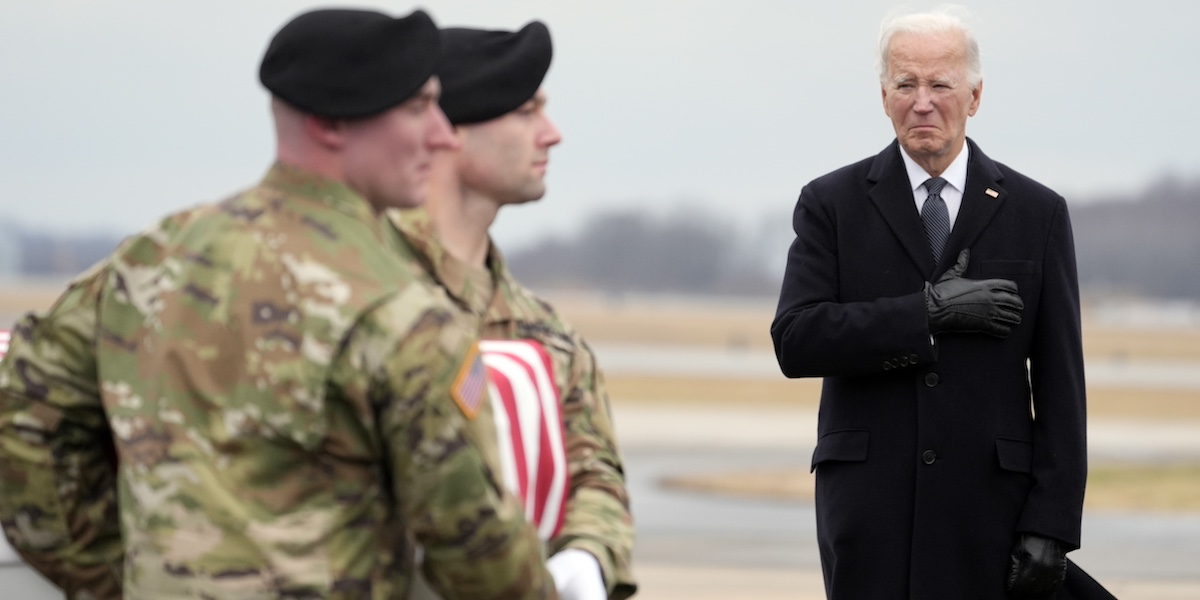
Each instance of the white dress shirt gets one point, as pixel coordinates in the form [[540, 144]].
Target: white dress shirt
[[955, 176]]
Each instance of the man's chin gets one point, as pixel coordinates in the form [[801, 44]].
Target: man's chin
[[923, 147], [518, 200], [525, 196], [415, 199]]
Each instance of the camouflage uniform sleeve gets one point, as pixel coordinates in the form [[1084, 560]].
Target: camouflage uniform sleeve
[[58, 498], [598, 518], [477, 542]]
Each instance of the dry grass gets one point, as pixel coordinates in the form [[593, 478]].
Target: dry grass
[[1132, 403], [1164, 487], [18, 298], [1103, 402], [741, 326], [659, 323], [748, 327], [1119, 343], [795, 484], [797, 392], [1157, 488]]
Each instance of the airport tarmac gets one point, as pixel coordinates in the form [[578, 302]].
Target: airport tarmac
[[705, 546], [699, 546]]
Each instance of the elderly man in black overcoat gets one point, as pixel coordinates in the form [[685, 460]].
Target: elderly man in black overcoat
[[935, 290]]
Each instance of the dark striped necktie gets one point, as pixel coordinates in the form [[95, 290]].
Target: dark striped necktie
[[936, 217]]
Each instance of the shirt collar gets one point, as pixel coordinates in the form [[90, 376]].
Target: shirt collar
[[955, 174]]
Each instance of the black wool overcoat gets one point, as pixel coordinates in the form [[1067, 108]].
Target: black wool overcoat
[[930, 458]]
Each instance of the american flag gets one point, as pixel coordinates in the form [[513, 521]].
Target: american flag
[[470, 384], [529, 429]]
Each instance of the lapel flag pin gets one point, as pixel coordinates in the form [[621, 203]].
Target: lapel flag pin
[[992, 193]]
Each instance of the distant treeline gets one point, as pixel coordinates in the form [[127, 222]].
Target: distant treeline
[[41, 254], [627, 251], [1147, 245]]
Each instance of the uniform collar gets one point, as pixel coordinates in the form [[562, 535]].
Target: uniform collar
[[297, 182], [476, 288]]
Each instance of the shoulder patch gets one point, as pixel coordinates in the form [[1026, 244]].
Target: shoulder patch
[[470, 385]]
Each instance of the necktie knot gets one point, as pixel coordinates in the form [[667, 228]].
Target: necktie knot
[[934, 185]]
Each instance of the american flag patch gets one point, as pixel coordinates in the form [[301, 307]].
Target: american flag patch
[[470, 386], [5, 335]]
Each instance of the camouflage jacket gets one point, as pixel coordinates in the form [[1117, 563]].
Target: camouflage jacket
[[256, 399], [598, 518]]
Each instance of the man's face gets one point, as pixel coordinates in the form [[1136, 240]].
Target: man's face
[[927, 94], [386, 157], [506, 158]]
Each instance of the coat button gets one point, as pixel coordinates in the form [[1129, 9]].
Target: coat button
[[887, 366], [913, 358], [929, 456], [931, 379], [904, 361]]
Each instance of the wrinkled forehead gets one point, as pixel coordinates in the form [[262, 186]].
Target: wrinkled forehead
[[927, 56]]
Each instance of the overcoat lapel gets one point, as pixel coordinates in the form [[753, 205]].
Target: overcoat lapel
[[978, 206], [892, 194]]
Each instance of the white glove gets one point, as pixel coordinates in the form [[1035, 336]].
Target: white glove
[[577, 575]]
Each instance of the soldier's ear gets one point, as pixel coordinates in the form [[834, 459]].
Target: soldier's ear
[[330, 133]]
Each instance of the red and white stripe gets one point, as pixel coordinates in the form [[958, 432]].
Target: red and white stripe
[[529, 429], [5, 336]]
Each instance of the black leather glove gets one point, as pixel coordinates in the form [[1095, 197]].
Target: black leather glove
[[1039, 566], [959, 305]]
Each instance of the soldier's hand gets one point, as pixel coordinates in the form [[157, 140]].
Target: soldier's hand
[[958, 305], [1039, 566], [577, 575]]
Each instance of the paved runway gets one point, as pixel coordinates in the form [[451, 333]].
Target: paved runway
[[1145, 556], [773, 544]]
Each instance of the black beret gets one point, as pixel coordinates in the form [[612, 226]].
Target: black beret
[[486, 74], [342, 63]]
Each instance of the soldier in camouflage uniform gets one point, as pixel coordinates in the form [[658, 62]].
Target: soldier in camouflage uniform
[[260, 398], [491, 94]]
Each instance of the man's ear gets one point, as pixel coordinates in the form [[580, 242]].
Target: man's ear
[[329, 133], [976, 94]]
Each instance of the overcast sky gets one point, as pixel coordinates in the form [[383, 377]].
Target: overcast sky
[[115, 112]]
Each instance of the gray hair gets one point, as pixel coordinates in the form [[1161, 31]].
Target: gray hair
[[944, 19]]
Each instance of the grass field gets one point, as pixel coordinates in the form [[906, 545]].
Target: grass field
[[749, 327], [1156, 487], [1167, 488]]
